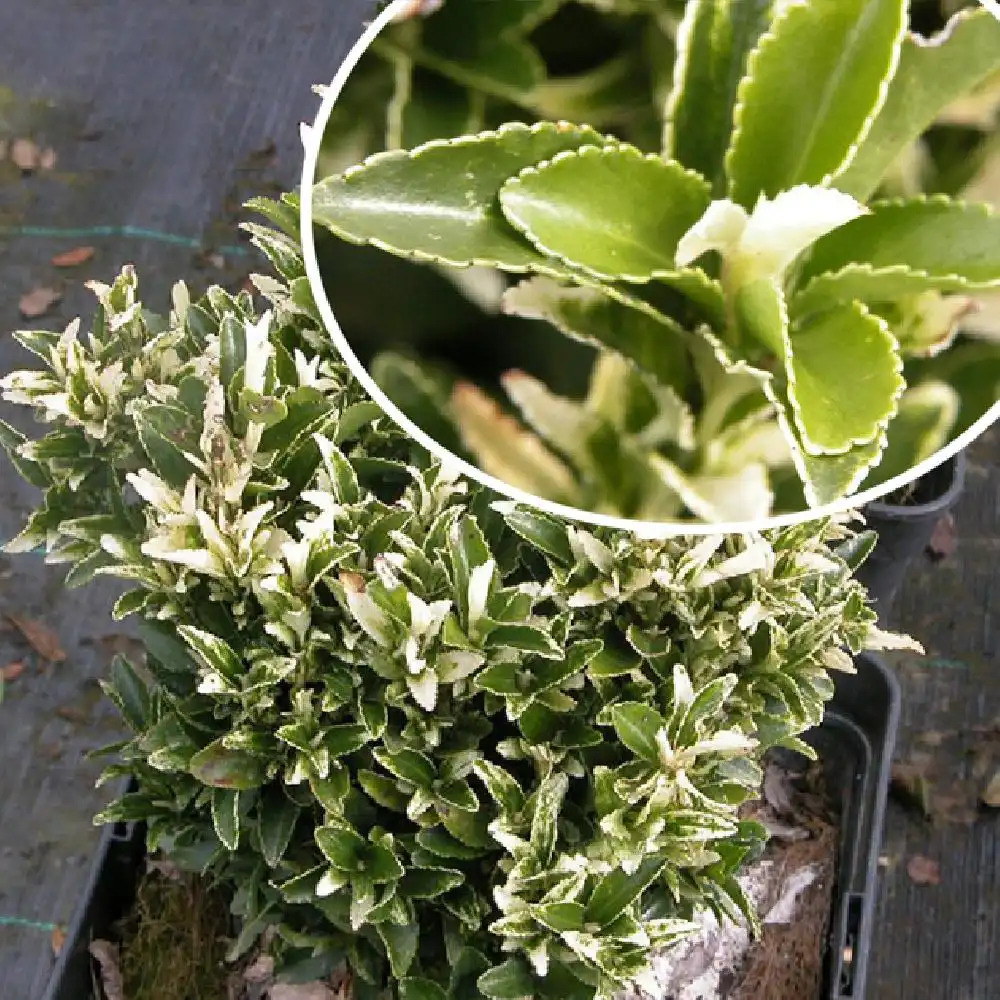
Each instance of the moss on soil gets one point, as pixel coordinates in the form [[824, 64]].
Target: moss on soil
[[173, 943]]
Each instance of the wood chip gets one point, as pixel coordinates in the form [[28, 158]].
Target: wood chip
[[106, 956], [58, 940], [40, 637], [923, 871], [12, 671], [38, 302], [25, 155], [74, 257]]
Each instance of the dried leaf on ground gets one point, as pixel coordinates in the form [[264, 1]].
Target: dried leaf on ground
[[106, 956], [25, 155], [12, 671], [41, 638], [943, 541], [58, 940], [923, 871], [74, 257], [38, 301], [910, 787]]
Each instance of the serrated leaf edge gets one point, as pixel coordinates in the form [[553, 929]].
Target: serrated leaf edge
[[766, 39], [591, 150], [412, 154], [811, 447]]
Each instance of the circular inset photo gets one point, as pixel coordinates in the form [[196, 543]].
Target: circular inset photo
[[647, 265]]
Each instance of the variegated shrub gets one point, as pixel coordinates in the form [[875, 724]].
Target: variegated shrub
[[471, 750], [790, 328]]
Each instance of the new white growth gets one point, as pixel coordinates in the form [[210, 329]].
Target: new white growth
[[763, 243]]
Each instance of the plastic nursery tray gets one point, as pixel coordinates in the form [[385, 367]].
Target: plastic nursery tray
[[855, 744]]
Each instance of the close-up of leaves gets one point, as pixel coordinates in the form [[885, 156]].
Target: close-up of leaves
[[773, 275]]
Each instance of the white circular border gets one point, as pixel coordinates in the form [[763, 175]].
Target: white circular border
[[650, 529]]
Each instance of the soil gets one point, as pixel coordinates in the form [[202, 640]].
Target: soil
[[792, 885]]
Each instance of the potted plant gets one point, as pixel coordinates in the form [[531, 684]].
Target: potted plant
[[747, 268], [466, 748]]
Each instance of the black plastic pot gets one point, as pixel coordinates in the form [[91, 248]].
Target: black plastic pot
[[905, 529], [109, 895], [855, 744]]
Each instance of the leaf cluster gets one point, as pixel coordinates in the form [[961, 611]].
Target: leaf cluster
[[790, 330], [471, 749]]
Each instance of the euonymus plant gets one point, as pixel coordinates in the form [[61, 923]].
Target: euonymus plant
[[470, 749], [790, 332], [447, 68]]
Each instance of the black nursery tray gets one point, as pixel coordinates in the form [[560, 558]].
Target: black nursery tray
[[855, 744]]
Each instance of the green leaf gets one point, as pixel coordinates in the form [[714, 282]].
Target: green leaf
[[439, 202], [437, 841], [382, 790], [799, 118], [458, 795], [226, 816], [548, 800], [126, 689], [400, 942], [426, 883], [616, 891], [166, 432], [422, 396], [32, 472], [932, 73], [232, 348], [162, 644], [524, 638], [922, 426], [651, 340], [502, 786], [342, 846], [468, 550], [830, 477], [219, 767], [560, 917], [410, 765], [277, 818], [545, 533], [844, 378], [345, 739], [612, 211], [130, 602], [972, 369], [637, 726], [465, 970], [714, 40], [420, 989], [213, 652], [901, 248], [510, 981]]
